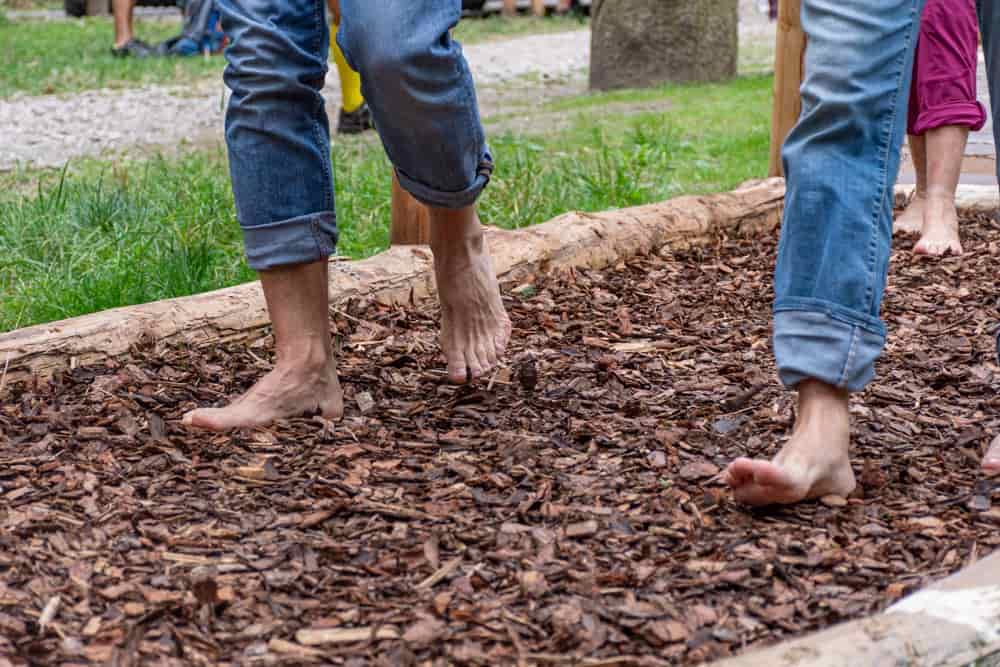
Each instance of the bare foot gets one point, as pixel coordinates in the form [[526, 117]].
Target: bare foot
[[940, 230], [290, 390], [991, 462], [304, 379], [812, 464], [911, 220], [475, 328]]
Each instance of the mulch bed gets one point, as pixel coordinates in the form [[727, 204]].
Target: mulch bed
[[567, 510]]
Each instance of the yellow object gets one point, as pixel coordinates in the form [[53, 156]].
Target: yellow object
[[350, 81]]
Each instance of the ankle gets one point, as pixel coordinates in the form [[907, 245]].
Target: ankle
[[311, 356], [821, 402], [942, 196]]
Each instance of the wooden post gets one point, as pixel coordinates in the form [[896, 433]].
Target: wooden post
[[510, 7], [788, 72], [538, 7], [410, 218]]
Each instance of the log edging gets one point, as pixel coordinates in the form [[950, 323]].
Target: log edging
[[398, 275], [403, 274]]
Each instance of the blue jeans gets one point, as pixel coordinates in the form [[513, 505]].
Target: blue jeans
[[415, 79], [840, 162]]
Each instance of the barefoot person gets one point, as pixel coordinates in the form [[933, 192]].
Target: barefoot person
[[943, 108], [355, 116], [840, 163], [421, 94]]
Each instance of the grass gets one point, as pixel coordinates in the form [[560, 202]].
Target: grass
[[102, 235], [44, 57]]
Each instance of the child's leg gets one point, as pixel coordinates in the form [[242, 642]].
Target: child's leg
[[939, 235], [947, 60], [911, 220], [350, 81]]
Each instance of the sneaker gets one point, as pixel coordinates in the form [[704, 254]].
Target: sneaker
[[133, 48], [355, 122]]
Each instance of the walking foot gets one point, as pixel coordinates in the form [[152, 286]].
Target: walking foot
[[812, 464], [475, 328]]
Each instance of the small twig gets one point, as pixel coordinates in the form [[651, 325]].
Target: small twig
[[441, 574]]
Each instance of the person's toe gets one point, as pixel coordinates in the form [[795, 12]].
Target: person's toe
[[475, 365], [739, 472], [204, 418], [458, 370], [487, 355], [991, 462]]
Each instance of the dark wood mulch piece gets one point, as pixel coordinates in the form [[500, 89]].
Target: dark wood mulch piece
[[566, 509]]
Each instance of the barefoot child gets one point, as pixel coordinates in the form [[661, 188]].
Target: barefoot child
[[840, 162], [943, 108], [421, 94]]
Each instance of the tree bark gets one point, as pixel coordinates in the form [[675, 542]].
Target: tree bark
[[644, 43]]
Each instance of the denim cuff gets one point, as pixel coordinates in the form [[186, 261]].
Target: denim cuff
[[817, 345], [300, 240], [440, 199]]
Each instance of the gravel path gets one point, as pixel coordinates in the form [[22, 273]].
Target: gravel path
[[46, 131]]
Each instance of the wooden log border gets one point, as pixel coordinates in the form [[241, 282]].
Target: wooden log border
[[399, 275]]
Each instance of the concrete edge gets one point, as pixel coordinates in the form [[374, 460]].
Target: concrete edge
[[952, 623]]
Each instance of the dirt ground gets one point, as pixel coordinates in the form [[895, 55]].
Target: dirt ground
[[566, 512]]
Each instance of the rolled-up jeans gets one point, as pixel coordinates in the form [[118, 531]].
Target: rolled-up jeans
[[841, 161], [414, 78]]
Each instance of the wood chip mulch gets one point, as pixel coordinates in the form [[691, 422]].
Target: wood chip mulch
[[565, 512]]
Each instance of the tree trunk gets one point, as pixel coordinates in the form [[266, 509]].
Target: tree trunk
[[643, 43]]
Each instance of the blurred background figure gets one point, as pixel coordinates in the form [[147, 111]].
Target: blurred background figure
[[355, 116], [126, 45]]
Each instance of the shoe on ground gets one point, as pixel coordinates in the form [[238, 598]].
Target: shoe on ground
[[133, 48], [355, 122]]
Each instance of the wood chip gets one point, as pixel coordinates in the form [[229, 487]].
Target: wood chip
[[318, 636]]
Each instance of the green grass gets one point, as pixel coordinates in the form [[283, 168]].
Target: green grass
[[41, 57], [102, 235], [491, 28]]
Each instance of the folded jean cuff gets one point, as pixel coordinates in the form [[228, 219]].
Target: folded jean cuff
[[815, 345], [970, 114], [442, 199], [301, 240]]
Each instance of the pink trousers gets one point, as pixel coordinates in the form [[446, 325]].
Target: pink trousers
[[944, 68]]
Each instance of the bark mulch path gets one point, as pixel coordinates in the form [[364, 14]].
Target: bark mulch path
[[565, 512]]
